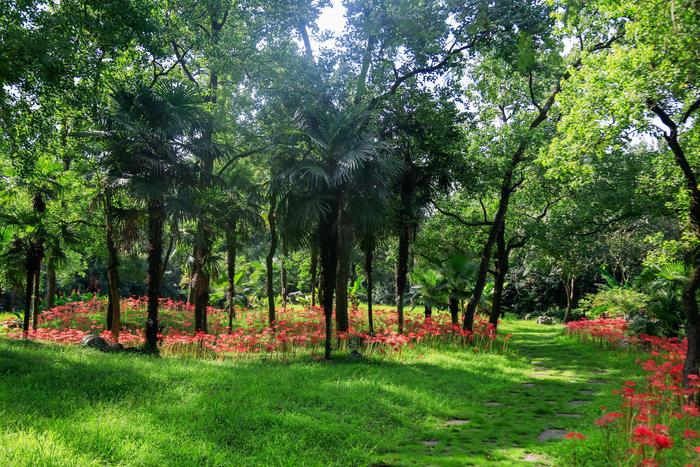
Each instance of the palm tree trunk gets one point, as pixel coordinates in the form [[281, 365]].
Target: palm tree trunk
[[342, 273], [50, 283], [29, 287], [454, 310], [113, 306], [314, 272], [155, 258], [268, 262], [329, 260], [283, 275], [402, 273], [37, 297], [369, 253], [407, 188], [231, 275]]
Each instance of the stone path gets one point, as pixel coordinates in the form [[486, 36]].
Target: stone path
[[557, 396]]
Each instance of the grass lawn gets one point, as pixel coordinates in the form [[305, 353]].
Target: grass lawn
[[64, 405]]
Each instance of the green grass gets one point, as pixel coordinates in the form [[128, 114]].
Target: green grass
[[72, 406]]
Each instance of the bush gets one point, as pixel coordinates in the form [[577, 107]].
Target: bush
[[617, 302]]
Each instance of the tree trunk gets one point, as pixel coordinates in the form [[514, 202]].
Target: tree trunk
[[406, 224], [401, 273], [689, 296], [283, 275], [231, 275], [454, 311], [428, 312], [501, 269], [329, 260], [369, 253], [37, 296], [570, 291], [498, 223], [29, 287], [113, 306], [50, 284], [342, 273], [268, 262], [204, 238], [314, 271], [690, 305], [155, 257]]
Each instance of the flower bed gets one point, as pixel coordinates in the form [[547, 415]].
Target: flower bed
[[296, 330], [656, 421]]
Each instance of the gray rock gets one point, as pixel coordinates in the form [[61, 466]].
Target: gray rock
[[545, 320], [96, 342], [355, 355]]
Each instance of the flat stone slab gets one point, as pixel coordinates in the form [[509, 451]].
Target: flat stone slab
[[601, 372], [492, 404], [588, 391], [529, 385], [569, 415], [456, 422], [548, 434], [534, 458], [576, 403], [431, 443], [598, 381]]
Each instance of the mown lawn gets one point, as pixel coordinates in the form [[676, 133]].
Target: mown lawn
[[71, 406]]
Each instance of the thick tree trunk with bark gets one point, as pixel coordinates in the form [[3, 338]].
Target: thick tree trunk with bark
[[428, 312], [269, 263], [156, 217], [231, 275], [689, 296], [501, 269], [369, 253]]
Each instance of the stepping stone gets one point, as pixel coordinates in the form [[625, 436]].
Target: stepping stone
[[431, 443], [569, 415], [548, 434], [576, 403], [598, 381], [540, 374], [588, 391], [492, 404], [533, 458], [529, 385], [456, 422], [601, 372]]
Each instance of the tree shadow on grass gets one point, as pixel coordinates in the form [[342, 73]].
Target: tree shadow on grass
[[266, 412]]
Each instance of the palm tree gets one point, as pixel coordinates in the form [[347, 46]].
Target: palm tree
[[333, 154], [148, 135], [430, 288]]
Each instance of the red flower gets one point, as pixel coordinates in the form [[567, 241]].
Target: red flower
[[574, 435], [662, 441]]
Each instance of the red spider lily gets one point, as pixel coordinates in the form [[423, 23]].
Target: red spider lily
[[574, 435], [608, 418]]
